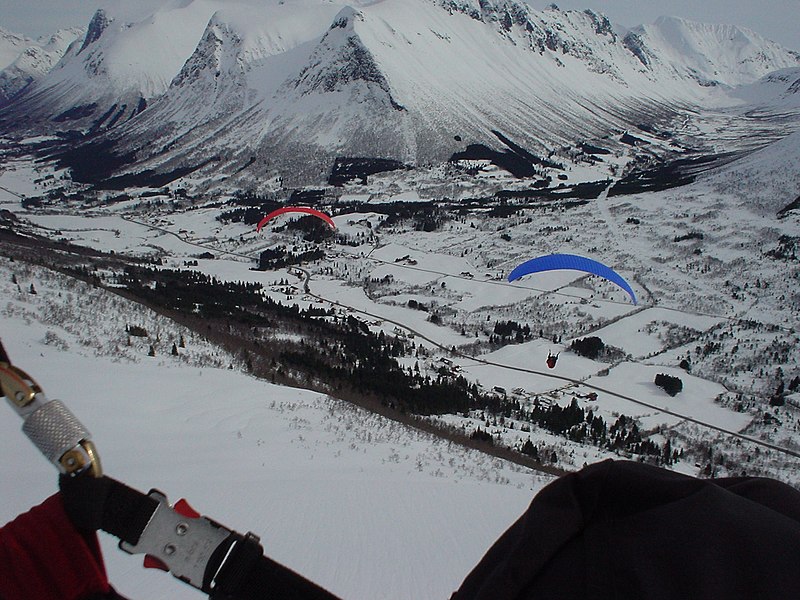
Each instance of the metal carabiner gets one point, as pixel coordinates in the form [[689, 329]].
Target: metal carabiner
[[17, 386], [49, 424]]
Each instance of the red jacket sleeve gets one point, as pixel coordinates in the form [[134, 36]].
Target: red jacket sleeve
[[43, 557]]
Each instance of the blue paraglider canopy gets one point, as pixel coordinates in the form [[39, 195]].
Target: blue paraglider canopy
[[554, 262]]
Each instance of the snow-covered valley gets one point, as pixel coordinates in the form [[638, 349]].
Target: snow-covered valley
[[669, 153]]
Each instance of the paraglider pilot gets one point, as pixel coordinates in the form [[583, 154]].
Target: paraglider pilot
[[583, 529]]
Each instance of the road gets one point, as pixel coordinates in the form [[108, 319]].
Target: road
[[567, 381]]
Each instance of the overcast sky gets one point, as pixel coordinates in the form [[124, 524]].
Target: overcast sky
[[778, 20]]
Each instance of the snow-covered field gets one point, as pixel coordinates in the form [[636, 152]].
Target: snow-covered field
[[711, 298], [360, 504], [363, 505]]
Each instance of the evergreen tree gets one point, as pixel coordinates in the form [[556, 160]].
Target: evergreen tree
[[666, 454], [778, 398], [529, 449], [671, 385]]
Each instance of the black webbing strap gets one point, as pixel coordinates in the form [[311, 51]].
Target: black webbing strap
[[269, 580], [245, 573], [104, 503], [281, 583]]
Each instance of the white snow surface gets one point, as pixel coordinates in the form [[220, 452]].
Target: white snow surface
[[362, 505]]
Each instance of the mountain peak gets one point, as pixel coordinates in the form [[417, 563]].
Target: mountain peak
[[342, 59], [712, 54], [97, 26], [409, 80], [205, 56], [23, 61]]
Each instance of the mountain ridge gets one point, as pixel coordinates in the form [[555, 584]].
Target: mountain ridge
[[23, 60], [287, 95]]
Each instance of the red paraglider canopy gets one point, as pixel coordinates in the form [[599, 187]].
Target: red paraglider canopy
[[300, 209]]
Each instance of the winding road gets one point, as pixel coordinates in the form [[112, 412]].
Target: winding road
[[305, 285]]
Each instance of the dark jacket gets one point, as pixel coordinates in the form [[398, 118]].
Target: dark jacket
[[627, 530]]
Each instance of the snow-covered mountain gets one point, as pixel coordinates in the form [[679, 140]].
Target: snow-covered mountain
[[779, 89], [112, 73], [22, 60], [287, 87], [284, 88], [11, 46], [710, 54]]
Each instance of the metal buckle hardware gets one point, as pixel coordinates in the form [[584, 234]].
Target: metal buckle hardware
[[179, 540], [18, 387]]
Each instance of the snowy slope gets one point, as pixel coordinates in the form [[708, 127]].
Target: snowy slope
[[362, 505], [711, 54], [244, 51], [778, 89], [119, 65], [23, 60], [776, 170], [11, 46]]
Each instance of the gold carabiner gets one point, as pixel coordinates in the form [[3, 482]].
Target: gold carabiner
[[82, 457], [28, 399], [16, 385]]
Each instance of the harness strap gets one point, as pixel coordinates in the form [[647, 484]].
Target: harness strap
[[236, 568], [104, 503]]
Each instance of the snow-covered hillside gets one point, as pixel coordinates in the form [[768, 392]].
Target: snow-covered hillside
[[23, 60], [360, 504], [11, 46], [241, 91], [713, 263]]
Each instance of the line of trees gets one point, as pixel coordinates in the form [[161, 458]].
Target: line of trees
[[505, 331], [583, 426], [344, 353]]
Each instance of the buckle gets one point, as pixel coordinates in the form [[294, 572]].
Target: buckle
[[179, 540]]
